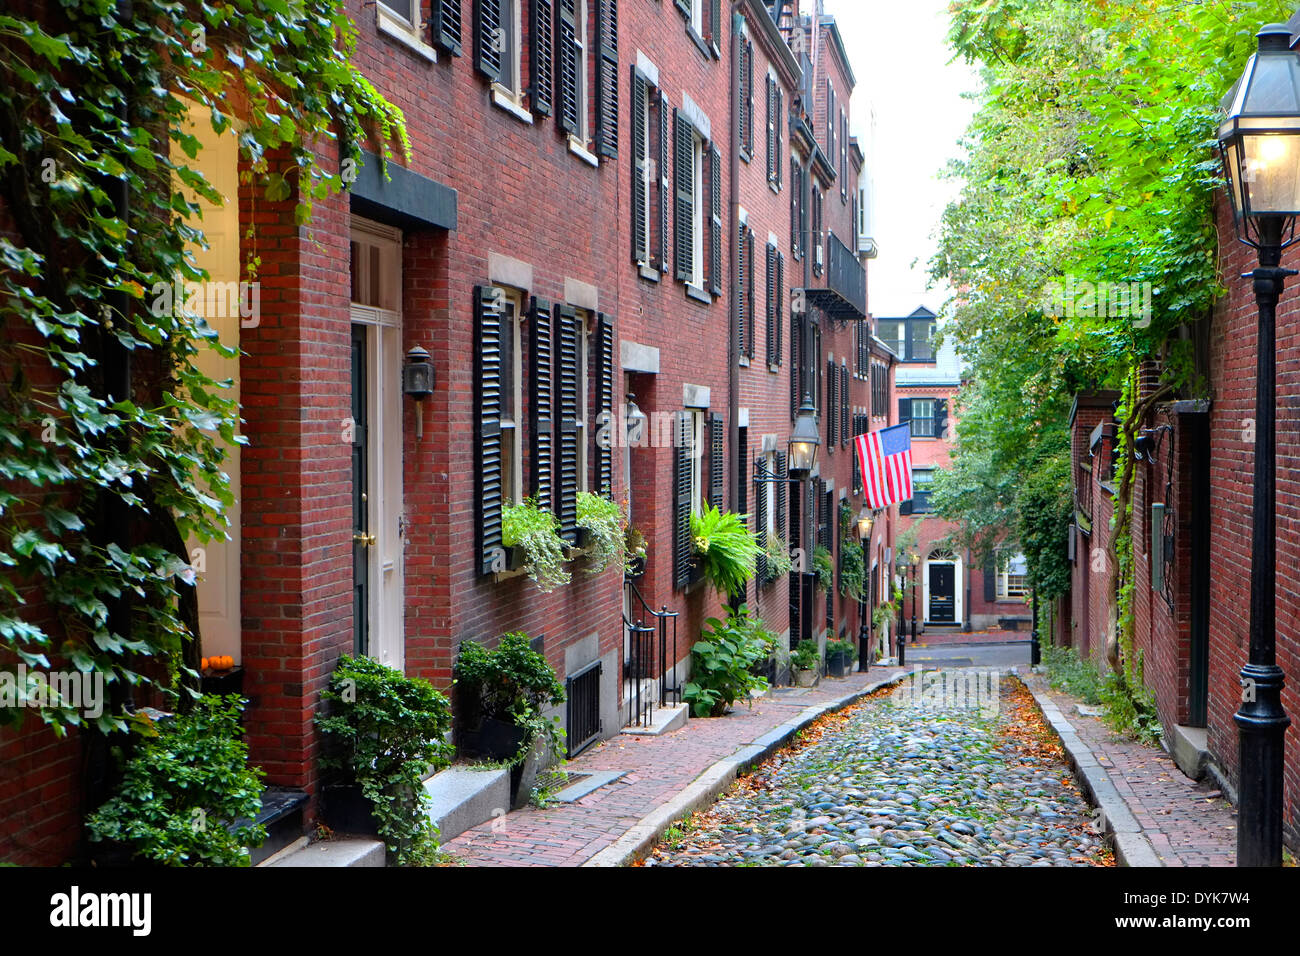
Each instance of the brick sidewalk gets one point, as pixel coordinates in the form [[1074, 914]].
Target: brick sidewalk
[[1188, 823], [658, 767]]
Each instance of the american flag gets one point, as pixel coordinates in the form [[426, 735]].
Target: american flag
[[886, 460]]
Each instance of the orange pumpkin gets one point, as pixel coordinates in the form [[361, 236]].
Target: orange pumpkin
[[203, 664]]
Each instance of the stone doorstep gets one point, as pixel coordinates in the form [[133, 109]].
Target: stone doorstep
[[1189, 746], [344, 851], [462, 797], [663, 720]]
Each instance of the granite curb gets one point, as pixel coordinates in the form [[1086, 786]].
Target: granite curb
[[1132, 848]]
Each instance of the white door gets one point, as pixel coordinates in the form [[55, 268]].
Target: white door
[[217, 562], [376, 308]]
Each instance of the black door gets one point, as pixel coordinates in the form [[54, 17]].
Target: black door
[[943, 593], [360, 518]]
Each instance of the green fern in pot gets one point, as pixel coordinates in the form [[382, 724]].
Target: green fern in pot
[[725, 549]]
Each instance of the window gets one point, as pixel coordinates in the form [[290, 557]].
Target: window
[[580, 47], [400, 20], [911, 339], [923, 418], [697, 221], [921, 481], [650, 187], [699, 442], [512, 398], [891, 333], [920, 344], [584, 389], [508, 40], [697, 171], [1013, 573], [798, 212]]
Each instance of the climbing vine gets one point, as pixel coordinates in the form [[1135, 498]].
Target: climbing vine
[[110, 434]]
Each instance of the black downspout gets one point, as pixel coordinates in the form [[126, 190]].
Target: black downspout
[[733, 351]]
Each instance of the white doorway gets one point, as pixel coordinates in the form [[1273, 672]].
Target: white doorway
[[942, 590], [377, 533]]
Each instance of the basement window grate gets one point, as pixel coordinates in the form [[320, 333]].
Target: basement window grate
[[583, 723]]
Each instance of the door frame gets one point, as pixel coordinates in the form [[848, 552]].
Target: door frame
[[385, 483], [958, 605]]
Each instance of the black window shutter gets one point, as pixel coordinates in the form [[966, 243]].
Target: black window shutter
[[905, 507], [796, 367], [746, 117], [782, 490], [489, 327], [682, 455], [541, 59], [739, 306], [640, 170], [444, 15], [990, 579], [773, 163], [771, 314], [940, 418], [665, 197], [715, 226], [566, 73], [715, 26], [717, 474], [684, 181], [857, 465], [844, 405], [778, 306], [487, 45], [760, 522], [796, 209], [605, 414], [567, 408], [607, 78], [904, 410], [779, 123], [832, 406], [684, 6], [541, 401], [751, 307]]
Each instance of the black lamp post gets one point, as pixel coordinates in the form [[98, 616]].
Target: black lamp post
[[1260, 145], [1035, 649], [916, 561], [865, 521]]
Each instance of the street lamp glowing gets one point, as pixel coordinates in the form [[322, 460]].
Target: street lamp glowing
[[865, 521], [1259, 141], [804, 441]]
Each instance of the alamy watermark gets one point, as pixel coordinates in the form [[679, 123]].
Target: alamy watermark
[[958, 689], [40, 690], [1076, 298], [211, 300]]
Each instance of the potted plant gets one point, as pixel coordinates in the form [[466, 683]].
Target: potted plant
[[725, 549], [603, 524], [634, 547], [535, 532], [804, 661], [503, 694], [823, 568], [778, 558], [839, 658], [722, 663], [385, 732]]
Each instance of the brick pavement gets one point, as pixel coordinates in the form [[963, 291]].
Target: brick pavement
[[658, 767], [1188, 823]]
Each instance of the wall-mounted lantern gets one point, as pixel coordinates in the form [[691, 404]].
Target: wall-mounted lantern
[[417, 383]]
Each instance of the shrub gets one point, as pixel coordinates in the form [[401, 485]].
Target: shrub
[[604, 522], [514, 684], [846, 648], [853, 570], [185, 788], [537, 532], [726, 549], [805, 656], [778, 557], [386, 731], [1076, 676], [823, 568], [721, 663]]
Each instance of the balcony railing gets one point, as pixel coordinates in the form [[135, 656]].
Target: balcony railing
[[845, 294]]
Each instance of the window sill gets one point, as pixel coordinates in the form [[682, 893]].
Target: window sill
[[401, 31], [744, 361], [746, 155], [774, 368], [648, 273], [698, 41], [698, 294], [503, 98], [775, 187], [579, 149]]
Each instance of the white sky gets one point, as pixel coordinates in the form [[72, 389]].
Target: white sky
[[900, 59]]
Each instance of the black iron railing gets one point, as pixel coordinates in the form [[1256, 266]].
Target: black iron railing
[[845, 275], [641, 663]]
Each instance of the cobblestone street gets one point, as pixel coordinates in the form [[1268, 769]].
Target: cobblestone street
[[894, 781]]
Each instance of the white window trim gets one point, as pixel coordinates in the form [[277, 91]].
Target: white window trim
[[698, 441], [404, 31], [700, 219], [1004, 576], [584, 384], [697, 17], [580, 33], [512, 425]]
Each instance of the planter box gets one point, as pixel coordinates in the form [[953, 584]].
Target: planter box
[[635, 568], [493, 739], [838, 665], [345, 809], [808, 678]]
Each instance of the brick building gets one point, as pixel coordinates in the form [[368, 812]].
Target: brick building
[[605, 204]]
